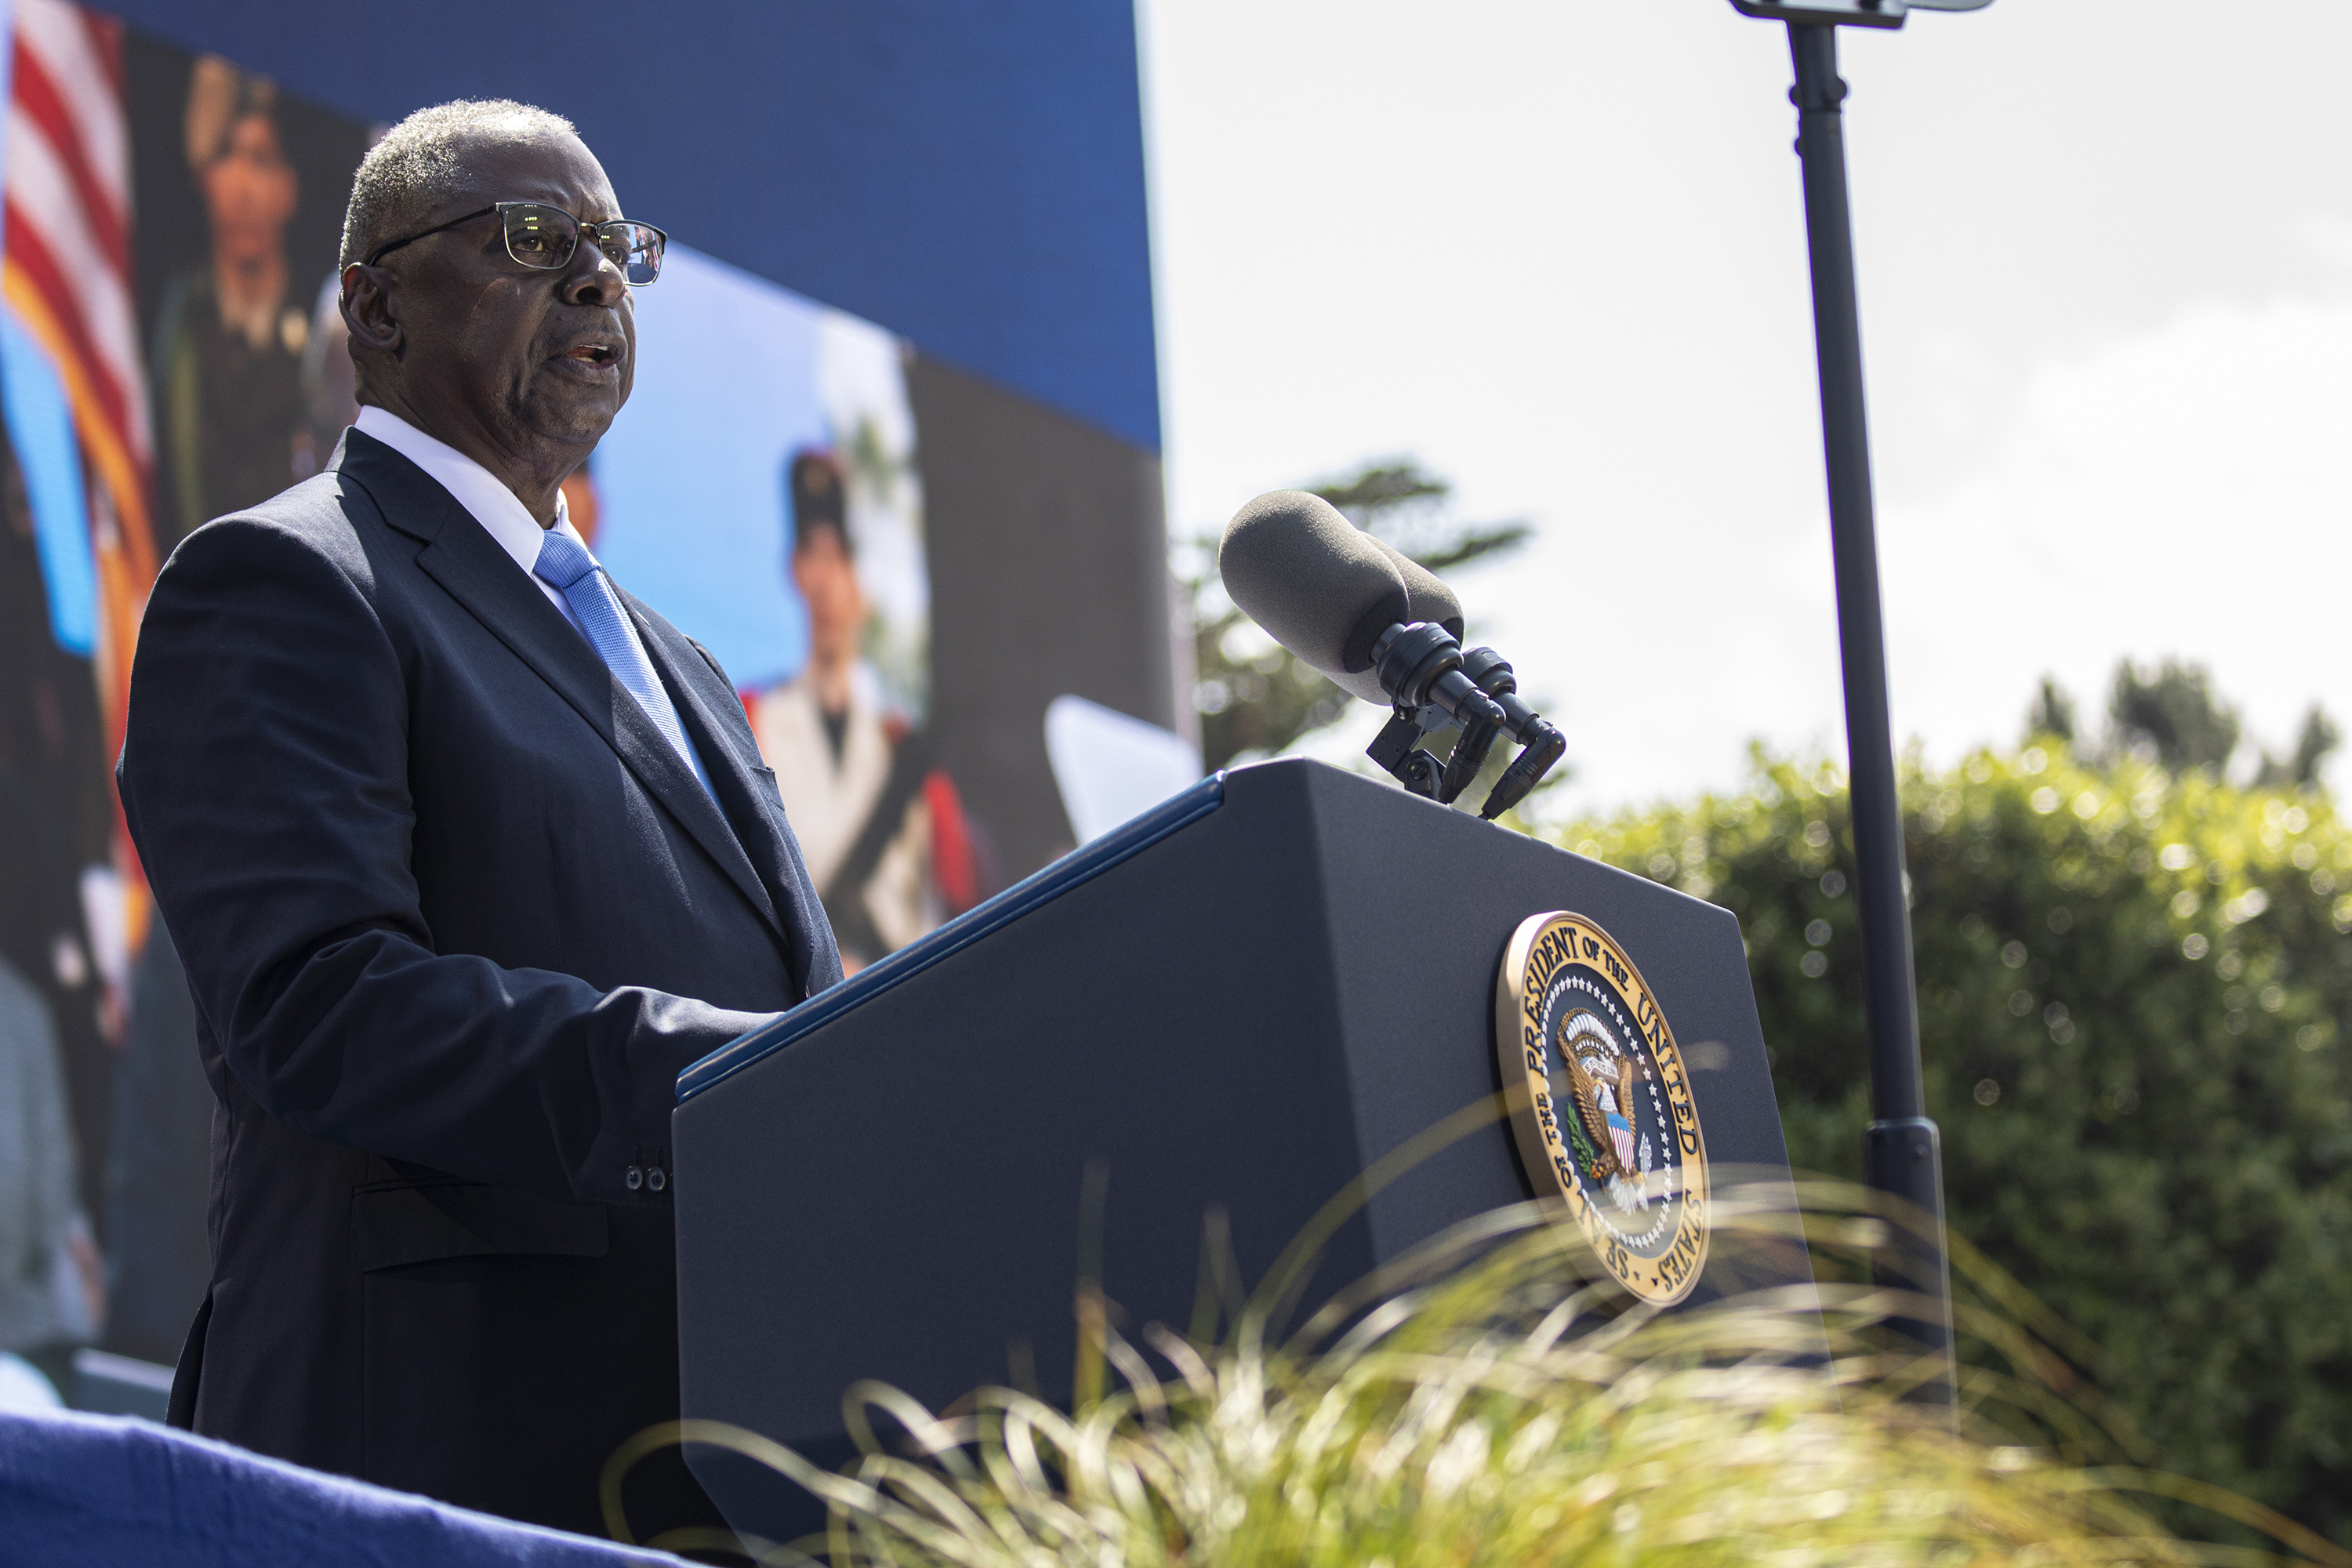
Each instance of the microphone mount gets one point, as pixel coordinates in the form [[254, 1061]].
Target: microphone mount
[[1434, 686], [1540, 741], [1420, 666]]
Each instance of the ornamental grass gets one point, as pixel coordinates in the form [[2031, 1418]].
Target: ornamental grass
[[1496, 1399]]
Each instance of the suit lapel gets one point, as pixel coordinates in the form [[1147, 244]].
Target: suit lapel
[[460, 556], [740, 789]]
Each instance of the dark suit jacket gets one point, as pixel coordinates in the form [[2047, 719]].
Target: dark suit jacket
[[455, 916]]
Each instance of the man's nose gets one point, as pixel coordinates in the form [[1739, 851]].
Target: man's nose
[[592, 279]]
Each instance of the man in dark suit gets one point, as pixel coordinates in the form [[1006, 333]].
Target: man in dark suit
[[468, 853]]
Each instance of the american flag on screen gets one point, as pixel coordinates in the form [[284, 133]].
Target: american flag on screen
[[66, 280]]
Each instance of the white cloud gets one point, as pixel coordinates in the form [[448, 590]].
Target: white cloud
[[2183, 492]]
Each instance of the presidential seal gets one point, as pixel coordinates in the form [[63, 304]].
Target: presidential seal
[[1602, 1106]]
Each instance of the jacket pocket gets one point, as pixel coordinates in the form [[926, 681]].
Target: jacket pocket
[[393, 1226]]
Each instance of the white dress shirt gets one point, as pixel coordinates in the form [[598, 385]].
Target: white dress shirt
[[503, 517]]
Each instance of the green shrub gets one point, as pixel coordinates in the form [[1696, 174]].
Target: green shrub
[[2133, 994]]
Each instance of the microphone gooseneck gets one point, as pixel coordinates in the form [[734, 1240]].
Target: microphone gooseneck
[[1389, 630]]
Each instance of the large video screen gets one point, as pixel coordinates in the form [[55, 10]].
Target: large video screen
[[898, 565]]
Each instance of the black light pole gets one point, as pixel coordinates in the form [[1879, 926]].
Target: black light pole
[[1902, 1155]]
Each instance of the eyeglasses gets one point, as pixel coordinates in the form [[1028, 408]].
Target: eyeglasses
[[544, 237]]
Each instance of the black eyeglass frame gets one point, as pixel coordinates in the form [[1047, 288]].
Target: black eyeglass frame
[[506, 233]]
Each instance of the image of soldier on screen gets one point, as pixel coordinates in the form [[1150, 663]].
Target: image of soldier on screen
[[243, 348], [883, 830]]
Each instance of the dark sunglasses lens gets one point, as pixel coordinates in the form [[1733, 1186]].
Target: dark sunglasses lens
[[539, 236], [635, 248]]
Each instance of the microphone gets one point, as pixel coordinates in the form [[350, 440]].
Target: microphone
[[1426, 597], [1336, 597], [1319, 585], [1386, 629]]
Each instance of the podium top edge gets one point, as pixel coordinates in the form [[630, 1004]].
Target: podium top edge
[[1080, 866]]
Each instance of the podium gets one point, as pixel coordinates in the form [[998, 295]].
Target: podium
[[1237, 1001]]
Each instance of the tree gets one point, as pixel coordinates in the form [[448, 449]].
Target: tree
[[2052, 713], [2299, 768], [2172, 717], [1252, 696], [2136, 1005]]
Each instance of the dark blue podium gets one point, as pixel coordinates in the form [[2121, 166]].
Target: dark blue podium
[[1238, 1001]]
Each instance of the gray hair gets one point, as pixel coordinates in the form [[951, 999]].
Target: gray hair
[[419, 162]]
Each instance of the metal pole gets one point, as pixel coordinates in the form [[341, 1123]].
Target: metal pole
[[1901, 1152]]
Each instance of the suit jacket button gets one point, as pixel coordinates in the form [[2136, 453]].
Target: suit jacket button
[[635, 1178], [656, 1179]]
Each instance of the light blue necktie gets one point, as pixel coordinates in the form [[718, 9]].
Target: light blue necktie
[[566, 565]]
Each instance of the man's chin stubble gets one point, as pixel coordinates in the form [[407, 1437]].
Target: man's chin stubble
[[550, 420]]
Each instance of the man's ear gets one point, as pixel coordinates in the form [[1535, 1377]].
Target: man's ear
[[371, 311]]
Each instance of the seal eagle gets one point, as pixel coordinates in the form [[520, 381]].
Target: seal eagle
[[1603, 1104]]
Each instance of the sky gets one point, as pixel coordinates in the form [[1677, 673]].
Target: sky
[[1555, 249]]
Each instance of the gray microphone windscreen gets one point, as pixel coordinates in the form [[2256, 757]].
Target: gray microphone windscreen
[[1319, 585], [1427, 596]]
